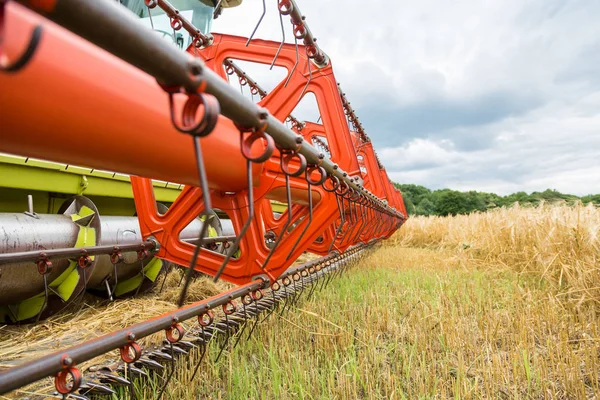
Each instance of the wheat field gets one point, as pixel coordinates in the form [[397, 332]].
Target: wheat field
[[496, 305]]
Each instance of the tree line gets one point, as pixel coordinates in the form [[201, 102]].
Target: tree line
[[420, 200]]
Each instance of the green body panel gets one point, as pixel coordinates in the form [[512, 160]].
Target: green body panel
[[20, 176], [151, 271]]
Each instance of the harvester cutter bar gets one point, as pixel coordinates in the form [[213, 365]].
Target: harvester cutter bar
[[62, 363]]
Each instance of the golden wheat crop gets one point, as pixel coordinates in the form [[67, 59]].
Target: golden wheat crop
[[555, 243]]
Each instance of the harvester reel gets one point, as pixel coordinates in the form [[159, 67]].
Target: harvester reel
[[31, 293]]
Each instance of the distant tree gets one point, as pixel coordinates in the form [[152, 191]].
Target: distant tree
[[420, 200], [591, 198], [451, 202], [413, 194], [411, 209], [426, 207], [475, 201]]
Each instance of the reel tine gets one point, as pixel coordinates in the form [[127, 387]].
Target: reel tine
[[310, 75], [233, 248], [340, 209], [310, 218], [258, 23], [283, 37], [206, 213], [288, 193], [240, 332], [295, 64], [204, 344]]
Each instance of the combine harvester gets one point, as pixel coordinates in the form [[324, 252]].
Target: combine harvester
[[201, 176]]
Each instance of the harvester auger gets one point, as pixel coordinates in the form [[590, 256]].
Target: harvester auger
[[85, 83]]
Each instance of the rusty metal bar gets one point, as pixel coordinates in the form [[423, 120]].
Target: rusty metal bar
[[302, 31], [35, 255], [242, 75], [349, 111], [259, 89]]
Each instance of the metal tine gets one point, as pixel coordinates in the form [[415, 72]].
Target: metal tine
[[74, 396], [149, 363], [298, 289], [207, 212], [166, 268], [275, 304], [309, 74], [241, 331], [353, 218], [112, 378], [172, 371], [295, 64], [226, 341], [143, 278], [255, 320], [160, 356], [286, 298], [282, 40], [241, 234], [364, 208], [288, 193], [351, 221], [332, 274], [175, 351], [129, 373], [371, 220], [358, 230], [202, 352], [320, 280], [230, 324], [242, 86], [131, 370], [365, 219], [312, 289], [90, 387], [214, 328], [355, 228], [302, 287], [310, 218], [150, 16], [116, 281], [258, 24], [185, 344], [341, 211], [293, 293], [324, 275]]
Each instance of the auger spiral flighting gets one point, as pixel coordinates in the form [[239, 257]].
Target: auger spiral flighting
[[145, 108]]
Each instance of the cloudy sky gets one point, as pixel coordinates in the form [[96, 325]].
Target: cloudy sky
[[484, 95]]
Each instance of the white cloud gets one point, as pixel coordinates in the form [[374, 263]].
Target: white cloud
[[487, 95]]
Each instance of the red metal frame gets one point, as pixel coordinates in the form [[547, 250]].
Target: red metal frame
[[139, 139], [270, 184]]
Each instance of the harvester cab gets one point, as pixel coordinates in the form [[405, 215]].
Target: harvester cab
[[200, 13]]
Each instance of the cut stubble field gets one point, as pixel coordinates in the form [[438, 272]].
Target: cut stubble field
[[495, 305]]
